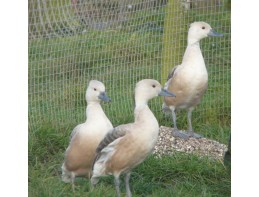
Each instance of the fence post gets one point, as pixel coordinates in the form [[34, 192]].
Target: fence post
[[174, 37]]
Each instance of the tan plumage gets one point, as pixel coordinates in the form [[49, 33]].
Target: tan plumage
[[85, 137], [189, 81], [129, 144]]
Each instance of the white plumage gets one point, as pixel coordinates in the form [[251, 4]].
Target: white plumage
[[128, 145], [85, 137]]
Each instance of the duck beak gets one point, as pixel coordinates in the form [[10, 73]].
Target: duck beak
[[166, 93], [214, 33], [104, 97]]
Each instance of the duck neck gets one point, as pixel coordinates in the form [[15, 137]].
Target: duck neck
[[140, 104], [94, 110], [193, 42], [193, 53], [143, 114]]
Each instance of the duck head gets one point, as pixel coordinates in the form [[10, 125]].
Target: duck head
[[147, 89], [200, 30], [96, 92]]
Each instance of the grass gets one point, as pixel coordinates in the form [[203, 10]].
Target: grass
[[59, 70], [178, 175]]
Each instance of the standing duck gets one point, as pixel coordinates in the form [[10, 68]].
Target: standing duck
[[189, 81], [129, 144], [85, 137]]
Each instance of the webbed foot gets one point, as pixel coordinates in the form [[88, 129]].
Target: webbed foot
[[194, 135], [177, 133]]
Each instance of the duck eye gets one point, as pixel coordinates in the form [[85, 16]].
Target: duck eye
[[94, 89], [203, 27], [153, 86]]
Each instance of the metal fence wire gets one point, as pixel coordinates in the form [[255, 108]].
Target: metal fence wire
[[119, 42]]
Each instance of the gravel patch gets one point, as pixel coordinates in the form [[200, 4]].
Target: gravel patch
[[167, 145]]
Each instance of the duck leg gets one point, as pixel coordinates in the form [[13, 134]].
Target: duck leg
[[190, 130], [127, 177], [117, 185], [176, 132], [73, 181], [91, 187]]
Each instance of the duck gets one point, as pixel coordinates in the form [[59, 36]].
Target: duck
[[189, 80], [85, 137], [128, 145]]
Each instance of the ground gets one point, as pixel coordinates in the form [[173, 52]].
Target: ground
[[168, 145]]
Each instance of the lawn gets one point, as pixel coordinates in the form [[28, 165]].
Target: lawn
[[177, 175]]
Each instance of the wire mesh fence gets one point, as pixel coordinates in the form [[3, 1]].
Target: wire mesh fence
[[119, 42]]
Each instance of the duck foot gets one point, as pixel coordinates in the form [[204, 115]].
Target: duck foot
[[194, 135], [177, 133]]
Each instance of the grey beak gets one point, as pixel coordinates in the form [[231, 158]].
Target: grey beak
[[104, 97], [166, 93], [214, 33]]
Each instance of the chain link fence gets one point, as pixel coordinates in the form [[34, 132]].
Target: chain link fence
[[119, 42]]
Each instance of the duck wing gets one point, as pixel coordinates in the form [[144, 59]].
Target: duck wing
[[108, 141], [171, 74], [74, 132]]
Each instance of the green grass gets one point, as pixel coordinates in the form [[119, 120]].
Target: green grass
[[177, 175], [59, 70], [180, 175]]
